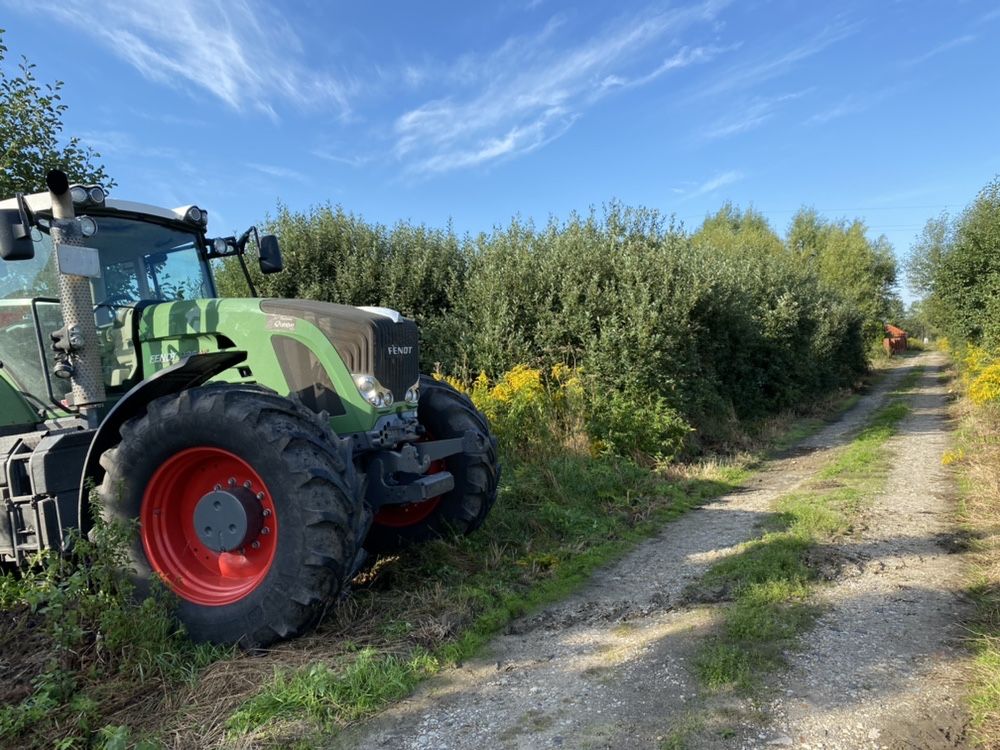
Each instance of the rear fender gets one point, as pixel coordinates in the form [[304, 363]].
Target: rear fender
[[189, 372]]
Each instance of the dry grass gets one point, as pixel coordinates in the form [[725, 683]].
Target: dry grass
[[977, 458]]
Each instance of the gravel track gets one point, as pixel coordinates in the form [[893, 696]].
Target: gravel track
[[608, 667], [884, 666]]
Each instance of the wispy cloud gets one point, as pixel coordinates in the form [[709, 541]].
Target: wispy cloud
[[125, 145], [711, 185], [531, 90], [278, 172], [849, 105], [240, 52], [750, 116], [941, 48], [746, 76], [854, 104], [355, 160]]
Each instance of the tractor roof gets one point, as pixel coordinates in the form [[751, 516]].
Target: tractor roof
[[42, 203]]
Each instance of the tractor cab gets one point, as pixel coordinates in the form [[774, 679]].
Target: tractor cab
[[263, 446], [139, 255]]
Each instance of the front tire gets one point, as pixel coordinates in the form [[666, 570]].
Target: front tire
[[445, 413], [293, 498]]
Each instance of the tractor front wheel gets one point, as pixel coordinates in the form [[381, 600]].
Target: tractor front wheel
[[445, 413], [249, 510]]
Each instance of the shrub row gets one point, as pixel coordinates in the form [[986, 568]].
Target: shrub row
[[728, 324]]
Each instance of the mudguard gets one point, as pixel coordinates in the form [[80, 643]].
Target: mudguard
[[189, 372]]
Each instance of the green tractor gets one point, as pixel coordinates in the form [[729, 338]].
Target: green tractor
[[261, 448]]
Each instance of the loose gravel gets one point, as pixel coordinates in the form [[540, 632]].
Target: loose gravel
[[610, 666]]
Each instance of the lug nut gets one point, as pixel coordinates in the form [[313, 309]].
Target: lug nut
[[260, 495], [255, 545], [246, 484], [265, 530], [266, 512], [218, 487], [232, 481]]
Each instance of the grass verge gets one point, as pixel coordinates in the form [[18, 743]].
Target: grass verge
[[123, 677], [767, 585], [976, 456], [553, 526]]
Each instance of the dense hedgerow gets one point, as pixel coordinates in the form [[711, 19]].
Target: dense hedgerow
[[710, 329]]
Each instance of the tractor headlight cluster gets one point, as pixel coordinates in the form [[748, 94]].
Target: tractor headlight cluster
[[373, 391], [197, 216], [413, 393], [87, 195]]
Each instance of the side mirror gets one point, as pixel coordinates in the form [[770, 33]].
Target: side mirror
[[270, 254], [15, 234]]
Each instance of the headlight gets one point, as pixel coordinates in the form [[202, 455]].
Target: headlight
[[373, 391], [88, 227], [413, 393], [78, 194]]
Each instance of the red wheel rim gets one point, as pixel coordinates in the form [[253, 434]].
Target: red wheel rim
[[401, 516], [193, 571]]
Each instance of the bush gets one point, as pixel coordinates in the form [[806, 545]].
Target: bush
[[628, 425], [706, 330]]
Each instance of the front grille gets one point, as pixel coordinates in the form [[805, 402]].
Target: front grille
[[368, 343]]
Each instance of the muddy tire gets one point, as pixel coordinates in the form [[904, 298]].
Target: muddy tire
[[290, 512], [446, 413]]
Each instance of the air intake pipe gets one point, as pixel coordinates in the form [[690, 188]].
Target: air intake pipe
[[78, 339]]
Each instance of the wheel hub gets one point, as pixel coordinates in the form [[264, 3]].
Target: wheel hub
[[228, 519]]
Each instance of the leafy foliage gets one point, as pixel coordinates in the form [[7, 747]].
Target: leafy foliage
[[100, 645], [31, 123], [957, 264], [708, 329]]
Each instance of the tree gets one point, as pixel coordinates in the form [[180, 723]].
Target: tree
[[741, 233], [927, 252], [860, 270], [30, 134]]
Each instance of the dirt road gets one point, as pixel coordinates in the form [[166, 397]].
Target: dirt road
[[609, 667]]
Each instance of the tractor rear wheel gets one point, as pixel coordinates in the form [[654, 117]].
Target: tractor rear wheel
[[249, 510], [445, 413]]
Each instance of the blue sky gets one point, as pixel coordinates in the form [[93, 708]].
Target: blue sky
[[475, 112]]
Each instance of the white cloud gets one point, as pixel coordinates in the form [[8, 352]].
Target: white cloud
[[240, 52], [944, 47], [121, 144], [712, 184], [357, 160], [281, 173], [853, 104], [751, 115], [746, 76], [530, 90]]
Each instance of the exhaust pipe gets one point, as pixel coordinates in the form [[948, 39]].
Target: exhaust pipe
[[80, 339]]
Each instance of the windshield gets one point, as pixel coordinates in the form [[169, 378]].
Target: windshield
[[140, 260]]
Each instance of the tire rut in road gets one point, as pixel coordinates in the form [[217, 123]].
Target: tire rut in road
[[883, 667], [607, 667]]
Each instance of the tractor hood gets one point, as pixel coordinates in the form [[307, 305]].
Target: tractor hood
[[310, 349], [370, 340]]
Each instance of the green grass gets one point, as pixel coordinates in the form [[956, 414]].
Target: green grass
[[328, 693], [769, 582], [557, 521], [560, 517], [73, 628], [548, 533]]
